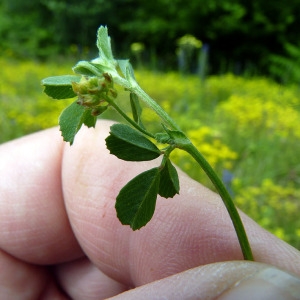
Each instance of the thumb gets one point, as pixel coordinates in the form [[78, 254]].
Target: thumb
[[225, 280]]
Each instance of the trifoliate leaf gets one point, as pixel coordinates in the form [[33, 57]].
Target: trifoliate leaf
[[71, 120], [169, 182], [136, 201], [60, 87], [128, 144]]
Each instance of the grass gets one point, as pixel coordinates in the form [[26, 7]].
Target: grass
[[248, 129]]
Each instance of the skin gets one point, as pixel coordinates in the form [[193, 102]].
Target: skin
[[60, 237]]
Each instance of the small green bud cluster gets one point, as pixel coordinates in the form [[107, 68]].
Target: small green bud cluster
[[94, 92]]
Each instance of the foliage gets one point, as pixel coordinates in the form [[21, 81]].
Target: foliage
[[27, 37], [242, 35], [257, 157], [286, 67]]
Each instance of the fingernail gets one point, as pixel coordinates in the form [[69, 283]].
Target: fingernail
[[267, 284]]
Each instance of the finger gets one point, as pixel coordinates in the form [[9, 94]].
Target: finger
[[226, 280], [34, 225], [19, 280], [190, 230], [83, 280]]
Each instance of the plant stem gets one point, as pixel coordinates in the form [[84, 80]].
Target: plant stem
[[234, 215], [134, 124], [134, 87], [155, 106], [167, 153]]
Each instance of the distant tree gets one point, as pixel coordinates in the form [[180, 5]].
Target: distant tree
[[239, 33], [22, 28]]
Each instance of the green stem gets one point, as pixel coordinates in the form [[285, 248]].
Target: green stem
[[234, 215], [167, 153], [134, 87], [156, 107], [134, 124]]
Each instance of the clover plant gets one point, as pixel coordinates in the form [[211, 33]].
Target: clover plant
[[93, 86]]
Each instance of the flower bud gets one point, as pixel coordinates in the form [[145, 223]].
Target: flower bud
[[93, 91]]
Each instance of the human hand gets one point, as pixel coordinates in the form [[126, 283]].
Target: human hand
[[60, 237]]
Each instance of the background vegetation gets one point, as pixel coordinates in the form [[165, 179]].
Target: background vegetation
[[242, 36], [246, 126]]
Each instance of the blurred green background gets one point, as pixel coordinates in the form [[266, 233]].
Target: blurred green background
[[227, 71]]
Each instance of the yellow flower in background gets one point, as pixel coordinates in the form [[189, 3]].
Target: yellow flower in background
[[249, 113], [273, 206]]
